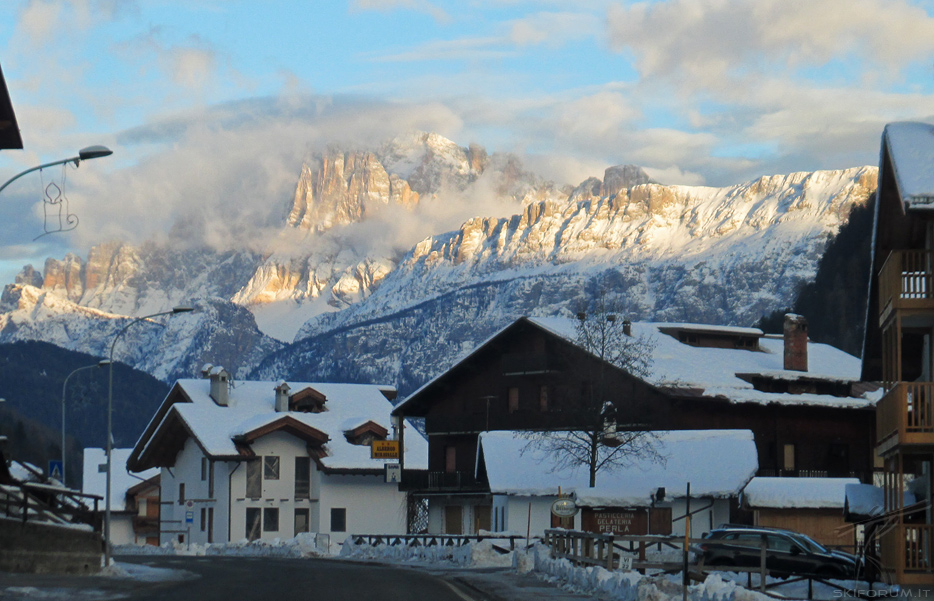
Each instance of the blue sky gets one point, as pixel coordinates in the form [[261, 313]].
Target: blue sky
[[210, 105]]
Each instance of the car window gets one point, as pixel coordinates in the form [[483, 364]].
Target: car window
[[810, 544], [780, 543], [749, 537]]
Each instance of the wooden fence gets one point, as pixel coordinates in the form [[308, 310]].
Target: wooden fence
[[439, 540]]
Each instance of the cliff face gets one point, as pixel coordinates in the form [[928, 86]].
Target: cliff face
[[665, 253]]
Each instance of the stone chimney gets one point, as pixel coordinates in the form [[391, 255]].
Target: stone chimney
[[206, 370], [627, 327], [796, 342], [220, 385], [282, 397]]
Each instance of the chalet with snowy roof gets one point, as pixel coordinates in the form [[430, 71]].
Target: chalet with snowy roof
[[898, 348], [264, 460], [134, 498], [808, 412], [646, 496], [813, 506]]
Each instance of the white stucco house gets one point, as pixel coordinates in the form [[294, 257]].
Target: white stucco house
[[647, 496], [265, 460], [126, 506]]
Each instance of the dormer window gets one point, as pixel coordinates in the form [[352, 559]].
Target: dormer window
[[366, 433], [308, 400]]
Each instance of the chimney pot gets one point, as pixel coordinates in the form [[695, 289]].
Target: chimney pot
[[627, 327], [796, 342], [220, 385], [282, 397]]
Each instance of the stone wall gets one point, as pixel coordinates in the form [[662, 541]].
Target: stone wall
[[48, 549]]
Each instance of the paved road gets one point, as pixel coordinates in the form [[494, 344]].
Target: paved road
[[248, 579], [244, 579]]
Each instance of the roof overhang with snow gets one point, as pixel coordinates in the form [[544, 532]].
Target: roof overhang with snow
[[796, 493], [910, 148], [514, 468]]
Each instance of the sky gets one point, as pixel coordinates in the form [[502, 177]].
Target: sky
[[210, 106]]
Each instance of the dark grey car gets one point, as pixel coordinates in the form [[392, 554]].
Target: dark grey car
[[787, 553]]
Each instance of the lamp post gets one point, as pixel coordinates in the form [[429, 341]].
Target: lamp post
[[85, 154], [64, 387], [110, 405]]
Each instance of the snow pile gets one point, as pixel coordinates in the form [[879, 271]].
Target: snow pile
[[143, 573], [632, 586], [486, 553], [303, 545]]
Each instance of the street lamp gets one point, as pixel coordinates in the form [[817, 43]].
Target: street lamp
[[85, 154], [110, 406], [64, 386]]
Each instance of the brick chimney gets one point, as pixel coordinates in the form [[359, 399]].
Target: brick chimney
[[220, 385], [796, 342], [282, 397]]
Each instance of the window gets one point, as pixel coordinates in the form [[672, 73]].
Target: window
[[303, 478], [271, 467], [789, 457], [301, 520], [513, 399], [252, 522], [338, 519], [450, 459], [204, 469], [210, 479], [779, 543], [210, 524], [204, 519], [270, 519], [181, 493], [543, 399], [254, 480]]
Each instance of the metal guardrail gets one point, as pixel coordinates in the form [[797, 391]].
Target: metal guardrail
[[439, 540]]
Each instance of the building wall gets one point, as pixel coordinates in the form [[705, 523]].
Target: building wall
[[187, 471], [121, 529], [826, 526], [371, 506], [279, 493]]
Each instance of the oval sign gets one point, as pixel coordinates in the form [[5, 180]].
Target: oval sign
[[564, 508]]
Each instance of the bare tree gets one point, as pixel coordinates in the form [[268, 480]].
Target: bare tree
[[609, 436]]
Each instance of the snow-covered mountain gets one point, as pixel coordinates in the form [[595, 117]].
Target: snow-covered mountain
[[372, 271]]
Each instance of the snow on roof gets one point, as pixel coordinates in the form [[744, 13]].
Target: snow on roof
[[95, 481], [815, 493], [513, 469], [251, 406], [714, 370], [866, 500], [911, 148]]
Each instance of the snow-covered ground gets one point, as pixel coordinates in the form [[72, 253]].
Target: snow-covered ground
[[623, 585]]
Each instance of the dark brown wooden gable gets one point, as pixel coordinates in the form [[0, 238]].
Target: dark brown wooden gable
[[365, 433], [163, 446], [290, 425], [177, 394], [307, 400]]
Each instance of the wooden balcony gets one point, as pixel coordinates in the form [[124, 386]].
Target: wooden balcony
[[906, 281], [434, 482], [905, 416], [906, 553]]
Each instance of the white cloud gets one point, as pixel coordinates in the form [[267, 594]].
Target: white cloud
[[430, 8], [554, 28]]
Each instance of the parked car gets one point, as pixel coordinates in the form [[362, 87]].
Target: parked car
[[787, 553]]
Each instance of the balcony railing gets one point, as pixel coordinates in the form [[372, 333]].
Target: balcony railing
[[906, 278], [905, 415], [442, 481], [907, 549]]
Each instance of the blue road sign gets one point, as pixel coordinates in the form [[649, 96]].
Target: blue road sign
[[189, 517], [56, 468]]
